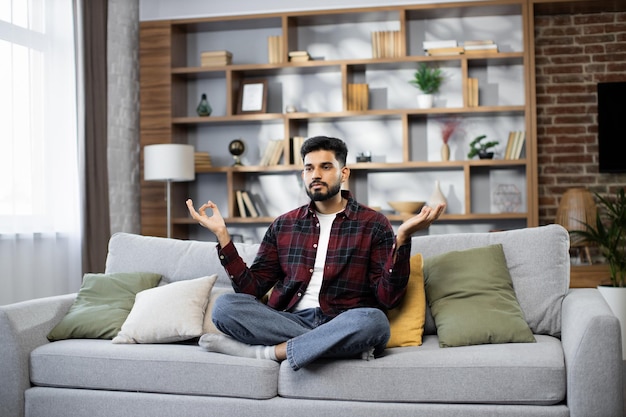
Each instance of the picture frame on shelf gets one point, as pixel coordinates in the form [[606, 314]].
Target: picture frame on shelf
[[252, 97]]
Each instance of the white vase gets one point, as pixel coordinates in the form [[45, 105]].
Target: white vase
[[424, 101], [437, 197], [615, 297]]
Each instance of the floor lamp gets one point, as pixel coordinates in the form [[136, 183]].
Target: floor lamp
[[168, 162]]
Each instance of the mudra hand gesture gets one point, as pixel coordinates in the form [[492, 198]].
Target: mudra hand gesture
[[420, 221], [215, 222]]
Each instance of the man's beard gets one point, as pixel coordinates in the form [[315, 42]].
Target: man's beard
[[323, 196]]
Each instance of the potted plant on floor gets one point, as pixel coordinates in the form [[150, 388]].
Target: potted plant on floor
[[609, 234], [480, 148], [427, 79]]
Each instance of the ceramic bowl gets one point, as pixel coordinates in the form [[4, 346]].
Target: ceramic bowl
[[406, 207]]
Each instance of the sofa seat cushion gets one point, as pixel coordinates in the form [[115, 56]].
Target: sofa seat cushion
[[161, 368], [514, 373]]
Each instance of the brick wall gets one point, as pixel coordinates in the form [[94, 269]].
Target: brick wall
[[574, 53]]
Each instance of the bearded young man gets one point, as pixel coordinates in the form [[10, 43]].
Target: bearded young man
[[334, 267]]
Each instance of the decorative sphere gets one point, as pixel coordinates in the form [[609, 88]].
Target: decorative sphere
[[236, 147]]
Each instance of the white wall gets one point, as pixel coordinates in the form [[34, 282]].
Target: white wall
[[170, 9]]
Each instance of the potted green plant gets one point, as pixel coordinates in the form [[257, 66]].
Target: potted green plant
[[427, 79], [609, 234], [481, 148]]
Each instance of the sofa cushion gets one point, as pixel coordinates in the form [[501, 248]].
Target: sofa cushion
[[169, 313], [513, 373], [176, 368], [175, 259], [472, 299], [406, 321], [538, 261], [102, 305]]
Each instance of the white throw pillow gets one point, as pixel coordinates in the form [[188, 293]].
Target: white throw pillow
[[168, 313]]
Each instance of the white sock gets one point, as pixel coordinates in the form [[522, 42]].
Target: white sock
[[224, 344]]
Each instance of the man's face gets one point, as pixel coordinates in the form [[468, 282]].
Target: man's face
[[322, 175]]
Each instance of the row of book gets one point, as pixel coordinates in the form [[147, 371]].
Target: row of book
[[386, 44], [299, 56], [202, 160], [275, 150], [245, 205], [515, 145], [358, 97], [275, 49], [215, 58], [472, 92], [452, 47]]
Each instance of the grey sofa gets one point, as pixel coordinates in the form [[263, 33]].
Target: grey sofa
[[574, 369]]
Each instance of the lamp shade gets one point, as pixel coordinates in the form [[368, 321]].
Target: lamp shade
[[168, 162], [576, 208]]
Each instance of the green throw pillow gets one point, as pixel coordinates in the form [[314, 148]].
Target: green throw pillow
[[472, 300], [102, 305]]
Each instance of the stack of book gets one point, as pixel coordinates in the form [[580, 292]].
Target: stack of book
[[472, 92], [299, 56], [202, 160], [445, 47], [296, 144], [358, 97], [480, 47], [215, 58], [273, 152], [515, 145], [386, 44], [275, 49], [245, 205]]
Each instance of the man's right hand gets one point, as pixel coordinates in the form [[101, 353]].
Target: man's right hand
[[215, 222]]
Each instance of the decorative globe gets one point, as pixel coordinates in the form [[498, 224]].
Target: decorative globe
[[236, 149]]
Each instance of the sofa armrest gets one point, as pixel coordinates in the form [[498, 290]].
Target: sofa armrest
[[592, 346], [23, 327]]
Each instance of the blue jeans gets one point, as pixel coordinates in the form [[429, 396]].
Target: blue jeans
[[309, 333]]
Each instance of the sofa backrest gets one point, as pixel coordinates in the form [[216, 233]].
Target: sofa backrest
[[174, 259], [538, 261]]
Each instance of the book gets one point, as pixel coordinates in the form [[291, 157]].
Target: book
[[481, 49], [358, 97], [386, 44], [272, 153], [509, 145], [472, 92], [456, 50], [240, 204], [450, 43], [520, 139], [215, 58], [277, 153], [249, 205], [296, 145], [478, 42], [299, 56], [275, 49]]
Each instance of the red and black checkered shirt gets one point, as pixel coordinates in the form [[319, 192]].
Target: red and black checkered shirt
[[363, 266]]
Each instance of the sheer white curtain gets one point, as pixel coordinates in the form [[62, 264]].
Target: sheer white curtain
[[40, 216]]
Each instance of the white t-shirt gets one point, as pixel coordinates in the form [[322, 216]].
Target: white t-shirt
[[311, 297]]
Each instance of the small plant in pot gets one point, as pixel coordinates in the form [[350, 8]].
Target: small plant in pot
[[427, 79], [481, 147], [609, 234]]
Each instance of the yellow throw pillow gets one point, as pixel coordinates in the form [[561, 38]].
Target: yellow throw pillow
[[407, 320]]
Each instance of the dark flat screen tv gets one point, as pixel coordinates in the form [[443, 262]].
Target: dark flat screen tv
[[611, 127]]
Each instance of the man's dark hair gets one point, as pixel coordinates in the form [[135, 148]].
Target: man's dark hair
[[326, 143]]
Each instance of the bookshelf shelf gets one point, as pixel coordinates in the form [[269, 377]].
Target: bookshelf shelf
[[403, 139]]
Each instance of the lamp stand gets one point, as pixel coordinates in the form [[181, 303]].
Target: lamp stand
[[168, 200]]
